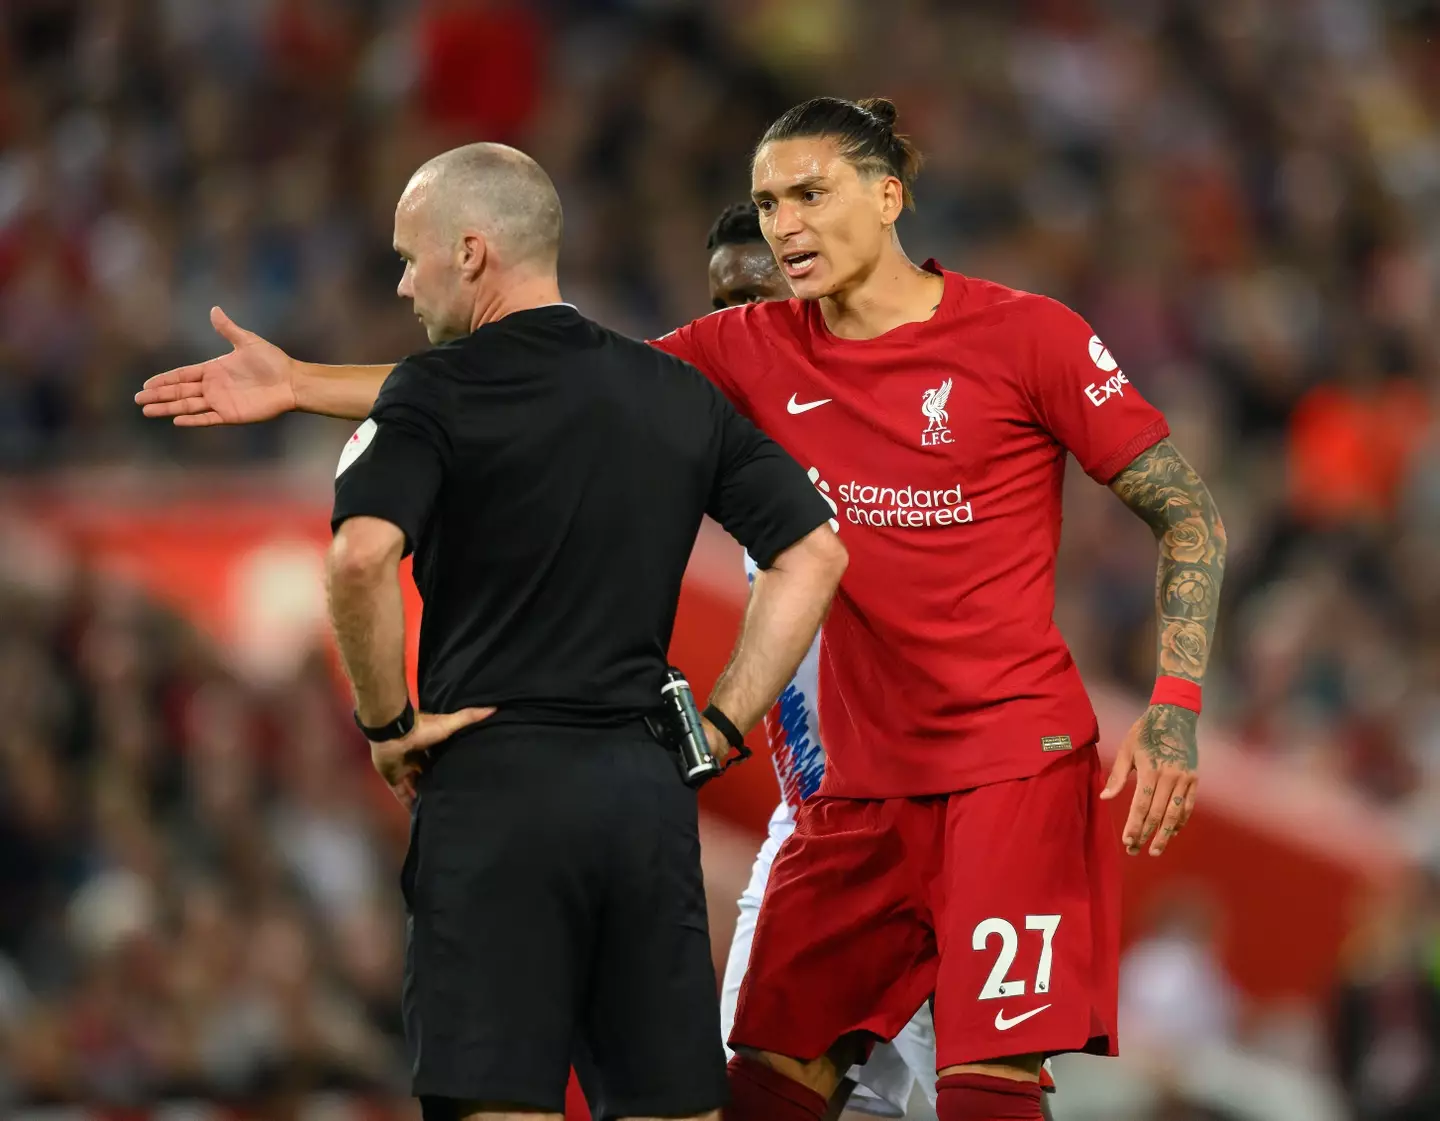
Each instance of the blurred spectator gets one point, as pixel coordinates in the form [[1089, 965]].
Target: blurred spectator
[[1352, 442], [481, 67], [1387, 1008], [1175, 997]]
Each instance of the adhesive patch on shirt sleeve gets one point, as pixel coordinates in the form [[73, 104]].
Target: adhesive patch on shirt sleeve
[[356, 445]]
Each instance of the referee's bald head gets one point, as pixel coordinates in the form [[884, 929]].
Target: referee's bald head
[[473, 220], [497, 190]]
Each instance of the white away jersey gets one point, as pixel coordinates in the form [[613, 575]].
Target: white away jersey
[[792, 728]]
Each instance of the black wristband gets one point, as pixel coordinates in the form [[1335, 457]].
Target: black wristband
[[397, 729], [727, 728]]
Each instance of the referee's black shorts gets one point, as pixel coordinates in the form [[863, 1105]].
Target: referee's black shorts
[[557, 914]]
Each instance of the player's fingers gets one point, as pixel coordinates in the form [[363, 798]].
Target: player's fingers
[[1120, 771], [1174, 816], [1164, 786], [1139, 806], [232, 332], [199, 420], [1189, 807]]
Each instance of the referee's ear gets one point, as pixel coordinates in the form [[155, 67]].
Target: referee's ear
[[473, 251]]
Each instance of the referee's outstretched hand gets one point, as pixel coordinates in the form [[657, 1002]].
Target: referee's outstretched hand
[[399, 762], [254, 382]]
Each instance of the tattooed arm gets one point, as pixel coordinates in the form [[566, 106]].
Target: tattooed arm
[[1167, 493]]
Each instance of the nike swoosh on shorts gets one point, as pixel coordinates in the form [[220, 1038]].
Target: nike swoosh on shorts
[[1002, 1024]]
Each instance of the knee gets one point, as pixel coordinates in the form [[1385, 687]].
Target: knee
[[808, 1073], [822, 1075], [456, 1110], [713, 1115], [1021, 1068], [1006, 1089]]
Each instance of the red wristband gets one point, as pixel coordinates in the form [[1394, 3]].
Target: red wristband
[[1176, 691]]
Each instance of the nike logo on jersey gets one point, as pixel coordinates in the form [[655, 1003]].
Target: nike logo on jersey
[[1002, 1024], [795, 408]]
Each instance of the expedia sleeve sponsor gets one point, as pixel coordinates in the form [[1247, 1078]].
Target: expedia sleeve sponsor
[[1082, 397], [1113, 386]]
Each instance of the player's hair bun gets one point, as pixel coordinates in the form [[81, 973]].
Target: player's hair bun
[[864, 131], [881, 108]]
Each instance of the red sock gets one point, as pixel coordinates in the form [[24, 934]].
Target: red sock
[[758, 1093], [982, 1097]]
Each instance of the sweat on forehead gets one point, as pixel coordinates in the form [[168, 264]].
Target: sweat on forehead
[[494, 189]]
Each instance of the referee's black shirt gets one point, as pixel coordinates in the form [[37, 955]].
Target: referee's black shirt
[[550, 476]]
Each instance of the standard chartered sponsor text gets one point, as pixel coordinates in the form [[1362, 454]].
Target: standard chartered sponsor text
[[905, 507]]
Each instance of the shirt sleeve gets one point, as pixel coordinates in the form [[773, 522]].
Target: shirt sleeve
[[1083, 398], [761, 496], [703, 344], [393, 466]]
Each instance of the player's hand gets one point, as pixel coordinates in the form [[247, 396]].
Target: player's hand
[[254, 382], [399, 762], [1161, 749]]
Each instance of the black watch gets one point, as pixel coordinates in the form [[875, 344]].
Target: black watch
[[397, 729]]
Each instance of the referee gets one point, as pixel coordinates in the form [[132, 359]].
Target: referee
[[551, 476]]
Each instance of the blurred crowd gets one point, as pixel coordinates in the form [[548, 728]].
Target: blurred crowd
[[196, 874], [1243, 196]]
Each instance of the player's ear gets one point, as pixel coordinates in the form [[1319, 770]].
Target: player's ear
[[471, 254], [892, 199]]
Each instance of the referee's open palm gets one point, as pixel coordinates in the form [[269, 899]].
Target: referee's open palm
[[399, 762], [252, 383]]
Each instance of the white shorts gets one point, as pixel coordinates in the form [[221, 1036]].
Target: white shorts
[[885, 1082]]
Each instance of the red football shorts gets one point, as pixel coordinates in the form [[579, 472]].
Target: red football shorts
[[1002, 901]]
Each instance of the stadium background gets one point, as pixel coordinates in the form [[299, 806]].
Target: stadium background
[[197, 905]]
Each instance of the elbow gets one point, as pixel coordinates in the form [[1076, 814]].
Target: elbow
[[835, 558], [363, 552], [823, 557], [1218, 540], [1222, 549]]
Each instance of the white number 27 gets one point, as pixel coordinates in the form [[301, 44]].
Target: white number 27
[[997, 985]]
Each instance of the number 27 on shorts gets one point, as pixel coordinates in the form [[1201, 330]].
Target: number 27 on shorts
[[998, 985]]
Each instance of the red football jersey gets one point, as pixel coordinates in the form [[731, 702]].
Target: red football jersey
[[941, 446]]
